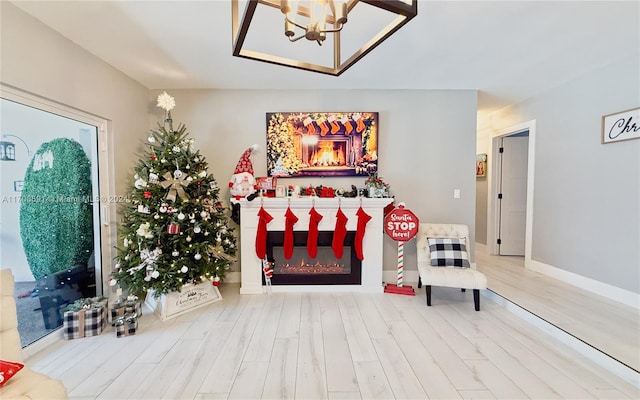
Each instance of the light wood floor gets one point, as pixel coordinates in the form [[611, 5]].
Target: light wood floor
[[611, 327], [330, 346]]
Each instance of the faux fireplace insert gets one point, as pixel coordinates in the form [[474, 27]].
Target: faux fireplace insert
[[324, 269]]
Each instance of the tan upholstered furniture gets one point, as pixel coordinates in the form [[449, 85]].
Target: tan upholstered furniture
[[26, 384], [463, 278]]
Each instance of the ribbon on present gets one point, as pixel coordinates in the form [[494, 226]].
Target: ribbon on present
[[80, 307], [175, 184], [131, 321]]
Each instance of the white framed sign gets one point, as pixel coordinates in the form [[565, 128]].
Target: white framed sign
[[624, 125]]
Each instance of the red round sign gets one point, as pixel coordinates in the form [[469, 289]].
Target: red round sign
[[401, 224]]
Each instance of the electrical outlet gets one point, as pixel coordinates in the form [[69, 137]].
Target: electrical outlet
[[456, 193]]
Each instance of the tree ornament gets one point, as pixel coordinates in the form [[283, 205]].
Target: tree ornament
[[184, 269], [140, 183], [181, 216], [188, 238], [175, 253], [151, 139], [173, 229], [197, 256]]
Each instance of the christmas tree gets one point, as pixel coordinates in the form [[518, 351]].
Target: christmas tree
[[281, 152], [175, 230]]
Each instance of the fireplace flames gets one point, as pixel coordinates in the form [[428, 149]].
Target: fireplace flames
[[305, 268], [326, 156]]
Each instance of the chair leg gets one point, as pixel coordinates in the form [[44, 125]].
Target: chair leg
[[419, 282], [428, 292], [476, 299], [463, 290]]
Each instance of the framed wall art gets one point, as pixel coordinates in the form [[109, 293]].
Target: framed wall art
[[322, 144], [481, 165]]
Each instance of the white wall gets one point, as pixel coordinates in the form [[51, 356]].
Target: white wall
[[40, 61], [426, 142], [586, 214]]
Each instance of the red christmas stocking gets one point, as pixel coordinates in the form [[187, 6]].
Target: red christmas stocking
[[312, 239], [324, 128], [261, 234], [334, 124], [339, 234], [308, 123], [290, 221], [347, 125], [360, 124], [363, 219]]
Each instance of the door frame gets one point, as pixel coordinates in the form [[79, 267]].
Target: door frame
[[493, 183], [108, 202]]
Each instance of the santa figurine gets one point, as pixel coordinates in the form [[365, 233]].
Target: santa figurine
[[242, 182]]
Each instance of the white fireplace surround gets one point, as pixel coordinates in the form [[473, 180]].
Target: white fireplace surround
[[372, 244]]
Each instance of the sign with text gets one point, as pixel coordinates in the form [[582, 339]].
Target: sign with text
[[189, 298], [401, 224], [620, 126]]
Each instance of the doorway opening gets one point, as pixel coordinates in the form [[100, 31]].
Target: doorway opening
[[510, 191]]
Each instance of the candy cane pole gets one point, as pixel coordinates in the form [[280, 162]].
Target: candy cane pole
[[400, 264]]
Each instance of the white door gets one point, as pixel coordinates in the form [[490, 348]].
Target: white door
[[513, 204]]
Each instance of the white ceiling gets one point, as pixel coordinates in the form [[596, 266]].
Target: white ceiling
[[508, 50]]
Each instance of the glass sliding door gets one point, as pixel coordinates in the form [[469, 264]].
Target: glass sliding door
[[49, 214]]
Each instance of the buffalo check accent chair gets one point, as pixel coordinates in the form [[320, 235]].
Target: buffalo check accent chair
[[450, 272]]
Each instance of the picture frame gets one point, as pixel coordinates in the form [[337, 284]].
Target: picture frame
[[266, 183], [621, 126], [280, 192], [481, 165], [325, 144]]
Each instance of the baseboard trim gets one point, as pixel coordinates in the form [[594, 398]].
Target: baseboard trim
[[600, 288], [42, 343], [604, 360]]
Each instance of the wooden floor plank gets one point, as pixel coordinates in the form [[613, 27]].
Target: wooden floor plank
[[280, 381], [311, 375], [341, 376]]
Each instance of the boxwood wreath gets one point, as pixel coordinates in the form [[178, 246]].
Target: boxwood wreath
[[175, 230], [56, 224]]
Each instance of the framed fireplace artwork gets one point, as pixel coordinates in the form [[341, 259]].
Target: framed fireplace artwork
[[322, 144]]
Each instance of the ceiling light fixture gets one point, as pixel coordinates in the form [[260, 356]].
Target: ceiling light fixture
[[258, 34]]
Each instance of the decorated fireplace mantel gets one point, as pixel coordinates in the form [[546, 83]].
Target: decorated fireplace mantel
[[372, 244]]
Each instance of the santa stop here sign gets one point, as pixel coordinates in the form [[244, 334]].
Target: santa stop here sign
[[401, 224]]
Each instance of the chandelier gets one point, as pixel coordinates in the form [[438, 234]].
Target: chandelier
[[258, 33]]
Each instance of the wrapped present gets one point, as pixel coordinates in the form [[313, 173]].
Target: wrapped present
[[122, 307], [84, 318], [126, 325]]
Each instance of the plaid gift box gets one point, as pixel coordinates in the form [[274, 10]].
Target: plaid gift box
[[124, 307], [126, 325], [89, 320]]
